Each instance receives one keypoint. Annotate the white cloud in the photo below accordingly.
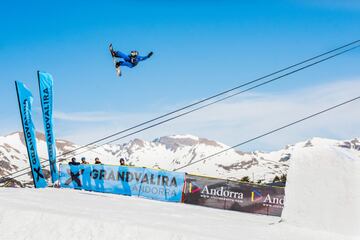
(242, 118)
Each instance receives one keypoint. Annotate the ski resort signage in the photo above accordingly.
(25, 100)
(132, 181)
(174, 187)
(233, 195)
(46, 98)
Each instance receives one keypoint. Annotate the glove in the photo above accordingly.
(150, 54)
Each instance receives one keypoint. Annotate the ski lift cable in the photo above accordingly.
(211, 103)
(211, 97)
(269, 132)
(206, 99)
(219, 100)
(222, 99)
(214, 96)
(249, 140)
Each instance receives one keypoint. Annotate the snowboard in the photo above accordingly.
(118, 70)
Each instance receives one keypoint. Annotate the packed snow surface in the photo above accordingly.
(322, 197)
(71, 214)
(323, 190)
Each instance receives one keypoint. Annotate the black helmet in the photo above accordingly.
(134, 53)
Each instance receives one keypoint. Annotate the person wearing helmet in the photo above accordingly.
(130, 60)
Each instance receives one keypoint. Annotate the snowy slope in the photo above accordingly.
(171, 152)
(70, 214)
(322, 203)
(323, 190)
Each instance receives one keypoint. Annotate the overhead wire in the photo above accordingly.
(269, 132)
(204, 100)
(216, 95)
(219, 100)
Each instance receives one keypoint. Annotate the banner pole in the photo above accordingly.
(22, 124)
(45, 82)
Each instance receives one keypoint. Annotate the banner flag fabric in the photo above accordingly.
(231, 195)
(25, 100)
(46, 99)
(132, 181)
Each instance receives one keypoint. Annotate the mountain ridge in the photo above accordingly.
(169, 153)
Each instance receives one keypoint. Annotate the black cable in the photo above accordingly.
(206, 99)
(219, 100)
(4, 178)
(270, 132)
(252, 139)
(188, 112)
(213, 96)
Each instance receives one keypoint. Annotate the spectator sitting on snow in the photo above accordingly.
(122, 162)
(97, 161)
(74, 162)
(83, 161)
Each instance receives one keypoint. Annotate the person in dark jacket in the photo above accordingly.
(83, 161)
(97, 161)
(74, 162)
(122, 162)
(129, 60)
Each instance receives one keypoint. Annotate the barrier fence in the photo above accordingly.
(174, 187)
(132, 181)
(231, 195)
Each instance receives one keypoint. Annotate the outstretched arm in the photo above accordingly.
(142, 58)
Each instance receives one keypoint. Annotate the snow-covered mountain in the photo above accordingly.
(170, 152)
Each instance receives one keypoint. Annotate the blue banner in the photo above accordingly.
(46, 98)
(132, 181)
(25, 102)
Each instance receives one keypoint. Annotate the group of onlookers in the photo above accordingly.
(97, 161)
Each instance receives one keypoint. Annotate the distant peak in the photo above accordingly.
(12, 134)
(175, 141)
(138, 142)
(185, 136)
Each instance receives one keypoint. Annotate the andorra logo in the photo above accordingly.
(222, 192)
(193, 188)
(274, 200)
(256, 195)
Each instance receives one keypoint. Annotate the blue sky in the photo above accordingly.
(200, 48)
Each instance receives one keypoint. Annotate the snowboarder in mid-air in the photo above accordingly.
(130, 60)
